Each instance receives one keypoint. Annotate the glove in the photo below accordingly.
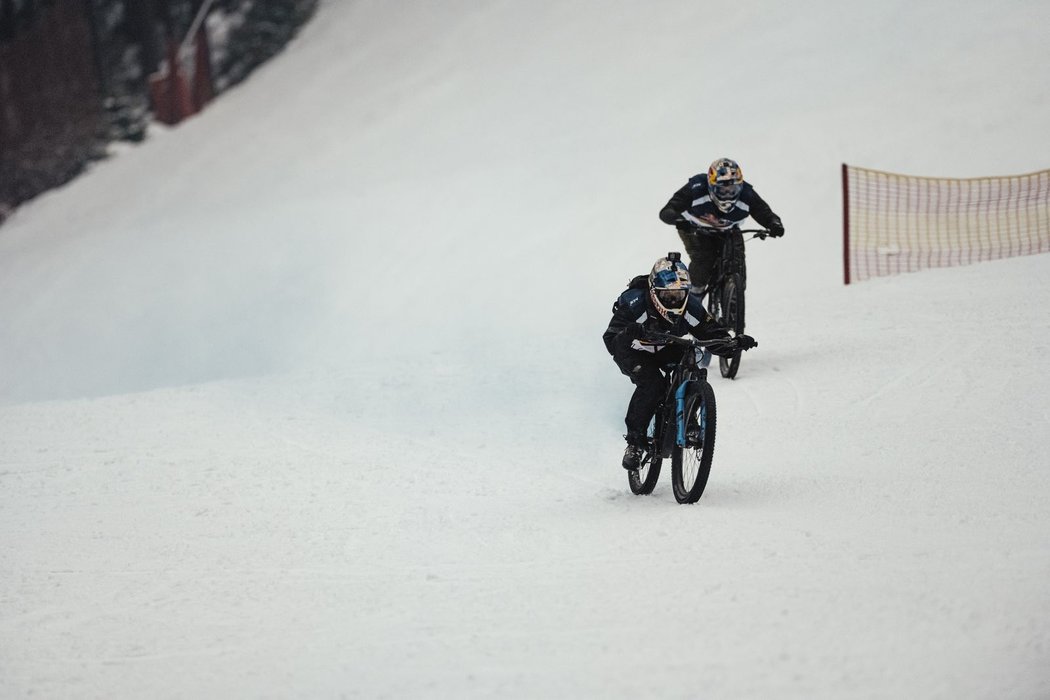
(685, 225)
(745, 342)
(776, 230)
(723, 347)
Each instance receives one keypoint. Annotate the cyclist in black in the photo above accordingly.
(658, 302)
(720, 199)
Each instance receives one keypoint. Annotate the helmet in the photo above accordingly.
(669, 286)
(724, 183)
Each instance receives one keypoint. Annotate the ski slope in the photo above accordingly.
(307, 398)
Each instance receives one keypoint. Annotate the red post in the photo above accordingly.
(180, 89)
(170, 93)
(161, 98)
(845, 222)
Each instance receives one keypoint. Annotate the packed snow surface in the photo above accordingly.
(307, 398)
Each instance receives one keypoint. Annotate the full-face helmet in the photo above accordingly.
(669, 286)
(725, 181)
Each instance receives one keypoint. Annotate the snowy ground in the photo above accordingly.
(306, 398)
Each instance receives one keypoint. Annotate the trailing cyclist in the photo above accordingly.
(719, 199)
(659, 302)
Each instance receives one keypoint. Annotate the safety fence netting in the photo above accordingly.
(901, 223)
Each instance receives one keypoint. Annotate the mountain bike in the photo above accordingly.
(725, 291)
(683, 429)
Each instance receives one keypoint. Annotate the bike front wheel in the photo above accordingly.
(733, 316)
(643, 480)
(691, 465)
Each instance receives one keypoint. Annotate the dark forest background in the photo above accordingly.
(75, 75)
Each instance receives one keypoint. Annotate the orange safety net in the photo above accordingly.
(902, 223)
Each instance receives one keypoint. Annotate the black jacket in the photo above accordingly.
(694, 203)
(634, 306)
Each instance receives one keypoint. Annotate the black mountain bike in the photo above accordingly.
(725, 291)
(683, 428)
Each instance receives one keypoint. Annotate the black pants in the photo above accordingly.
(705, 249)
(650, 385)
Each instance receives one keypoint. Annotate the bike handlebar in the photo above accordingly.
(760, 233)
(690, 342)
(669, 339)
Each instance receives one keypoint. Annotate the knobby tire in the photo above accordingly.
(732, 308)
(691, 465)
(643, 481)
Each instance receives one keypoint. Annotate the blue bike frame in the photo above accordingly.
(679, 398)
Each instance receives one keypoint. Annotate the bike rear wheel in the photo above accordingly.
(643, 480)
(732, 308)
(713, 303)
(691, 465)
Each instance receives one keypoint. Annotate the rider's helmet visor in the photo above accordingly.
(672, 298)
(727, 193)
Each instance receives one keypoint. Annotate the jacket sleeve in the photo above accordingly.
(709, 329)
(621, 317)
(703, 325)
(678, 203)
(629, 308)
(761, 212)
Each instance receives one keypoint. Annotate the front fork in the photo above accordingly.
(679, 399)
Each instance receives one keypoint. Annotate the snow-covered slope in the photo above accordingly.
(307, 397)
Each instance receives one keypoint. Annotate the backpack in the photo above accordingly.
(639, 282)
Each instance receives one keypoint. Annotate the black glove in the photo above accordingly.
(685, 225)
(776, 230)
(723, 347)
(746, 342)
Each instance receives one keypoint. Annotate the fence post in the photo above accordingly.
(845, 222)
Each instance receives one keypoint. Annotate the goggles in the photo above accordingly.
(671, 298)
(726, 193)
